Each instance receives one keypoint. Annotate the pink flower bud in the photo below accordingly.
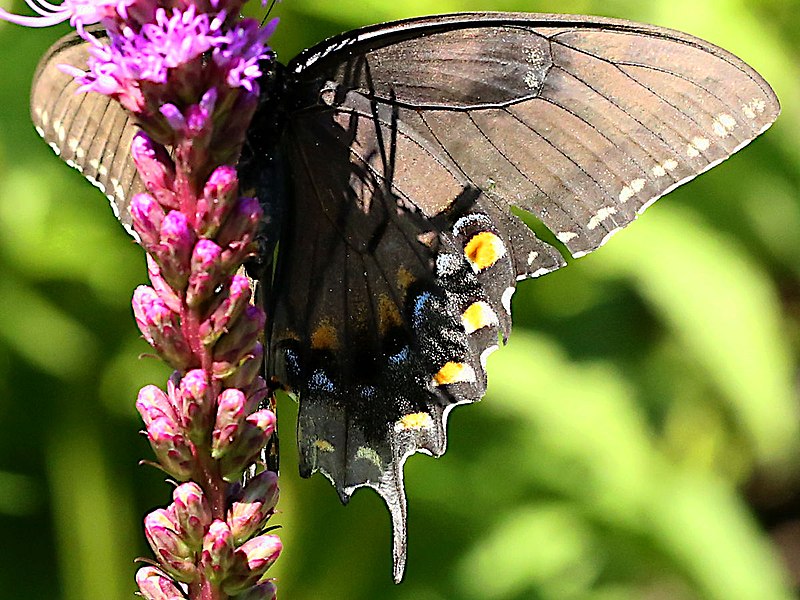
(177, 558)
(218, 551)
(154, 404)
(154, 584)
(240, 228)
(173, 450)
(195, 405)
(160, 285)
(207, 272)
(175, 249)
(244, 376)
(250, 438)
(219, 194)
(147, 216)
(263, 591)
(250, 512)
(155, 168)
(252, 560)
(192, 513)
(160, 327)
(232, 304)
(231, 405)
(174, 118)
(234, 347)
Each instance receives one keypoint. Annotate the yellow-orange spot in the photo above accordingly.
(414, 421)
(324, 446)
(388, 314)
(484, 249)
(478, 315)
(405, 278)
(324, 337)
(454, 372)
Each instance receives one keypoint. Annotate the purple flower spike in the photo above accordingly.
(176, 557)
(187, 72)
(192, 513)
(253, 559)
(154, 584)
(249, 513)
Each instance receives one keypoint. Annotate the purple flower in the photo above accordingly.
(163, 534)
(78, 12)
(252, 560)
(252, 508)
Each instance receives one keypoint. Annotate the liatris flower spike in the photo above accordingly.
(188, 72)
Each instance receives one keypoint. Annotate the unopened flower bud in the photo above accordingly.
(218, 551)
(234, 347)
(219, 194)
(173, 450)
(160, 327)
(232, 304)
(196, 407)
(147, 216)
(263, 591)
(250, 512)
(241, 225)
(250, 438)
(207, 272)
(155, 168)
(231, 414)
(192, 513)
(175, 249)
(247, 370)
(154, 584)
(174, 554)
(252, 560)
(160, 285)
(152, 404)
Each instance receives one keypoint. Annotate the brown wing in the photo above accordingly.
(408, 144)
(90, 132)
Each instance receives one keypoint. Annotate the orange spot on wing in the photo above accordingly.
(324, 337)
(478, 315)
(484, 249)
(414, 421)
(454, 372)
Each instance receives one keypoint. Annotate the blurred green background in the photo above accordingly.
(641, 435)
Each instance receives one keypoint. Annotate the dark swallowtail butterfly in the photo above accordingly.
(388, 159)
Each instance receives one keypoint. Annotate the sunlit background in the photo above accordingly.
(640, 438)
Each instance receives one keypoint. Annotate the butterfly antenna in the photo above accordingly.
(269, 11)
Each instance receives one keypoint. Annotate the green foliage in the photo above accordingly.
(644, 414)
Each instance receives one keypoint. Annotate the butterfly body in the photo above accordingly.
(388, 160)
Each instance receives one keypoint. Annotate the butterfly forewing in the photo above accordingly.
(90, 132)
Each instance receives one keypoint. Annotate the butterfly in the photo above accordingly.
(388, 160)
